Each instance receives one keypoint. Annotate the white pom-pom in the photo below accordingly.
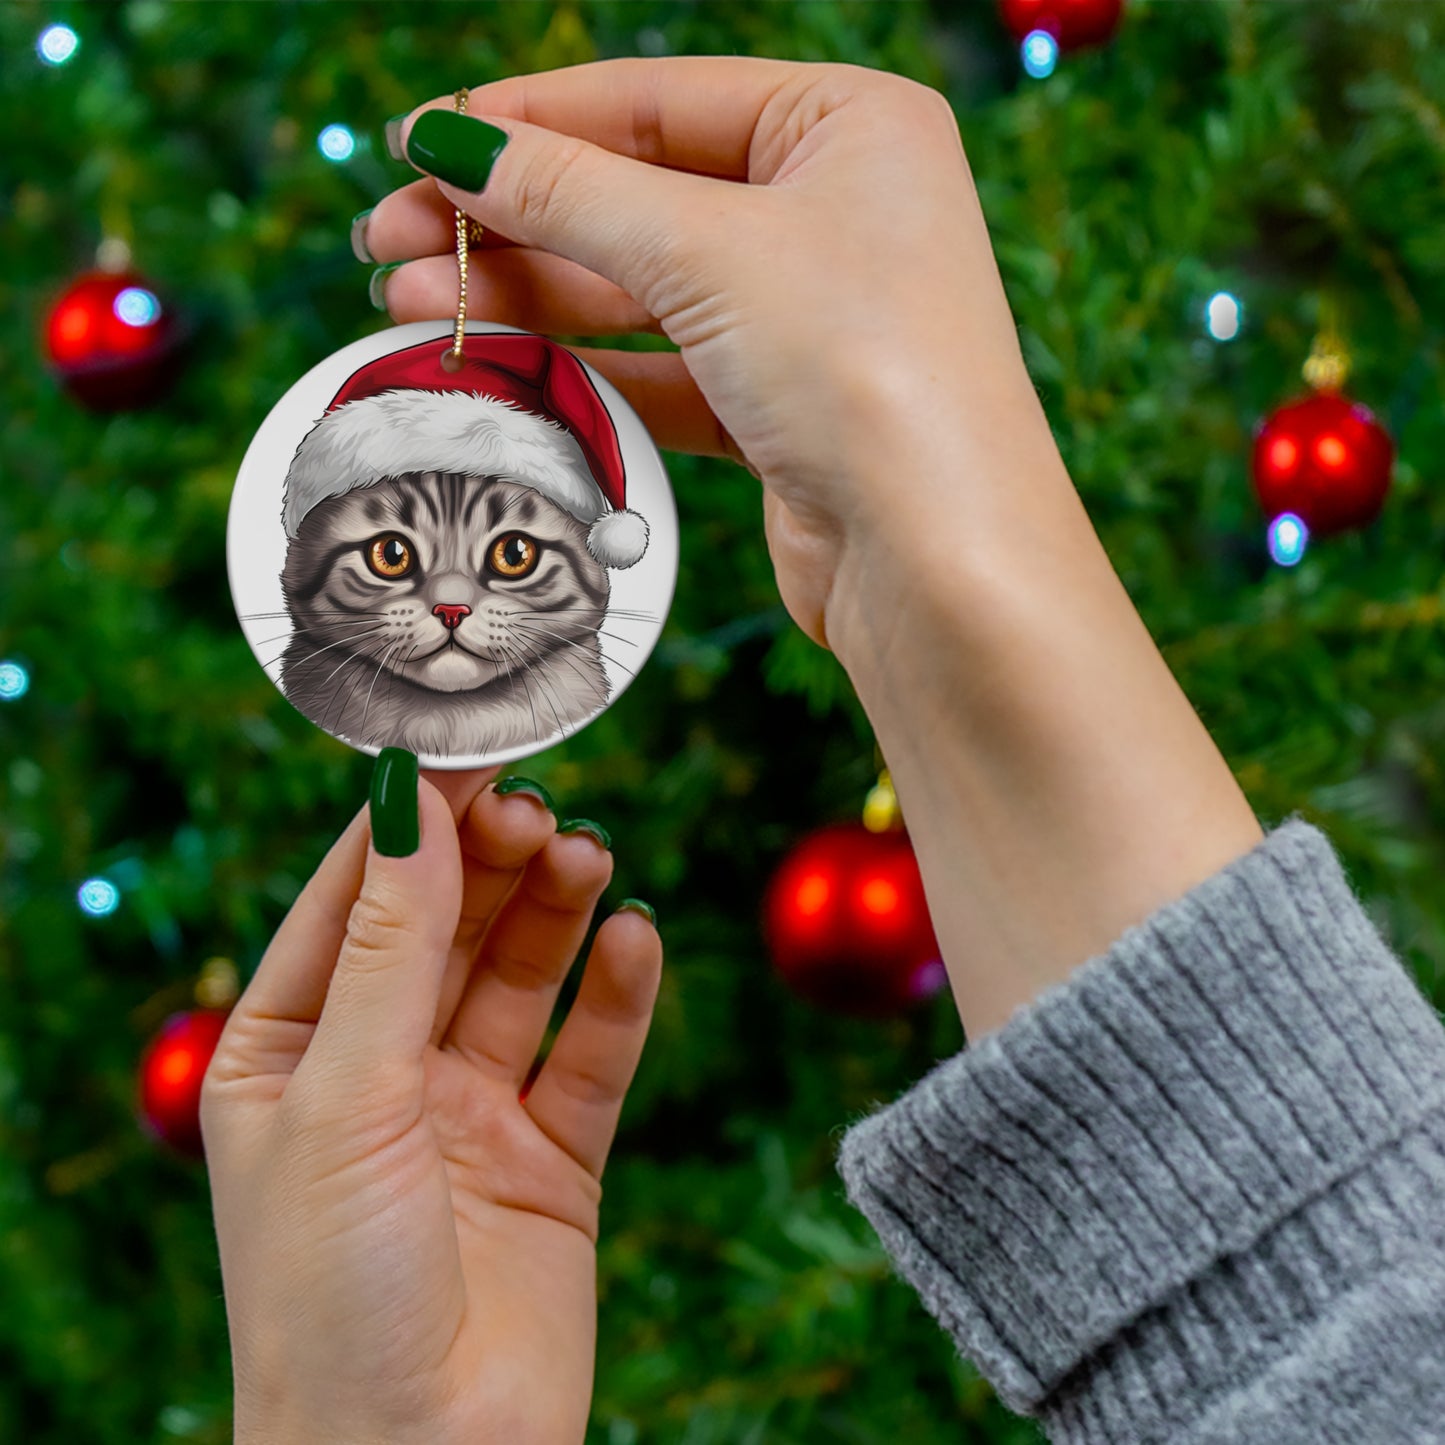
(618, 539)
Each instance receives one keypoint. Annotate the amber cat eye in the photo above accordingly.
(390, 555)
(514, 555)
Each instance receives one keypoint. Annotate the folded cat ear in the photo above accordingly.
(618, 538)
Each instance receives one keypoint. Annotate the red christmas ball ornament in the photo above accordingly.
(1073, 23)
(1326, 459)
(847, 923)
(171, 1071)
(111, 340)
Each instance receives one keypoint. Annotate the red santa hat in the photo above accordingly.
(519, 407)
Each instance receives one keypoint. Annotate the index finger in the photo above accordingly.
(696, 113)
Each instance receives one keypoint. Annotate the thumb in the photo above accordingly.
(633, 223)
(382, 1000)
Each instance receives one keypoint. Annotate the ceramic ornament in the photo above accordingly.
(469, 560)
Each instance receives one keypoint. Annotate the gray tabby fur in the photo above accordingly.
(368, 660)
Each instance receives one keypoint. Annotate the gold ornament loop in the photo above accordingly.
(469, 233)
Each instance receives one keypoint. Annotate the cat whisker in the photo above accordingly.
(391, 681)
(351, 692)
(591, 682)
(326, 712)
(280, 659)
(325, 627)
(379, 666)
(537, 678)
(570, 642)
(311, 656)
(600, 631)
(527, 691)
(601, 612)
(549, 692)
(310, 612)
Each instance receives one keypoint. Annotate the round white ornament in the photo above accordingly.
(470, 562)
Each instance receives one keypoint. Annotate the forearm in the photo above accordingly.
(1056, 782)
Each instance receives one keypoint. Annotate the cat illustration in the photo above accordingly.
(450, 528)
(445, 614)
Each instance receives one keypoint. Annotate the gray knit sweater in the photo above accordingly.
(1197, 1191)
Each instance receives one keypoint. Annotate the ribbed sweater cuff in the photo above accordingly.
(1147, 1163)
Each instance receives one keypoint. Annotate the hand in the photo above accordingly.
(845, 297)
(844, 330)
(408, 1247)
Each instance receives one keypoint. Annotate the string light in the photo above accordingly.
(1040, 52)
(1288, 537)
(57, 44)
(1223, 316)
(137, 307)
(336, 143)
(98, 897)
(14, 681)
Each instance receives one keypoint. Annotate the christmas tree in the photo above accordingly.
(1179, 215)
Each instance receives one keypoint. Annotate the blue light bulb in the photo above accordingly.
(14, 681)
(1288, 537)
(98, 897)
(336, 143)
(137, 307)
(1040, 52)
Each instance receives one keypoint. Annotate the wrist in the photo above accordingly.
(945, 519)
(1057, 784)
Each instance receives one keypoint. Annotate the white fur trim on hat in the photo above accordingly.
(411, 430)
(618, 539)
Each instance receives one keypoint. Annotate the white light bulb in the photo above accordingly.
(336, 143)
(1223, 316)
(57, 44)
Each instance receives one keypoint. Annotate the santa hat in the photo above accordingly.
(519, 407)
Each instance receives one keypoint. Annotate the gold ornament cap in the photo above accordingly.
(219, 985)
(881, 813)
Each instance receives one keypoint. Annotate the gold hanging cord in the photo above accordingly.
(469, 232)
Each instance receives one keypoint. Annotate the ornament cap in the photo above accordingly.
(881, 813)
(1328, 366)
(219, 985)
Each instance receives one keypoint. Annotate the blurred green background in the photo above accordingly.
(1287, 153)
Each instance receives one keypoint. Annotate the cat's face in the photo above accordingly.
(449, 582)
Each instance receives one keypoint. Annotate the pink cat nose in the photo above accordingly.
(451, 614)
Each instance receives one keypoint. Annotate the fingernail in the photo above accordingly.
(359, 248)
(531, 789)
(455, 148)
(636, 905)
(586, 825)
(395, 820)
(393, 136)
(376, 287)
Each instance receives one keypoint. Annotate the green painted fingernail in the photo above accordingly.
(376, 287)
(395, 820)
(586, 825)
(455, 148)
(359, 248)
(392, 131)
(533, 789)
(636, 905)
